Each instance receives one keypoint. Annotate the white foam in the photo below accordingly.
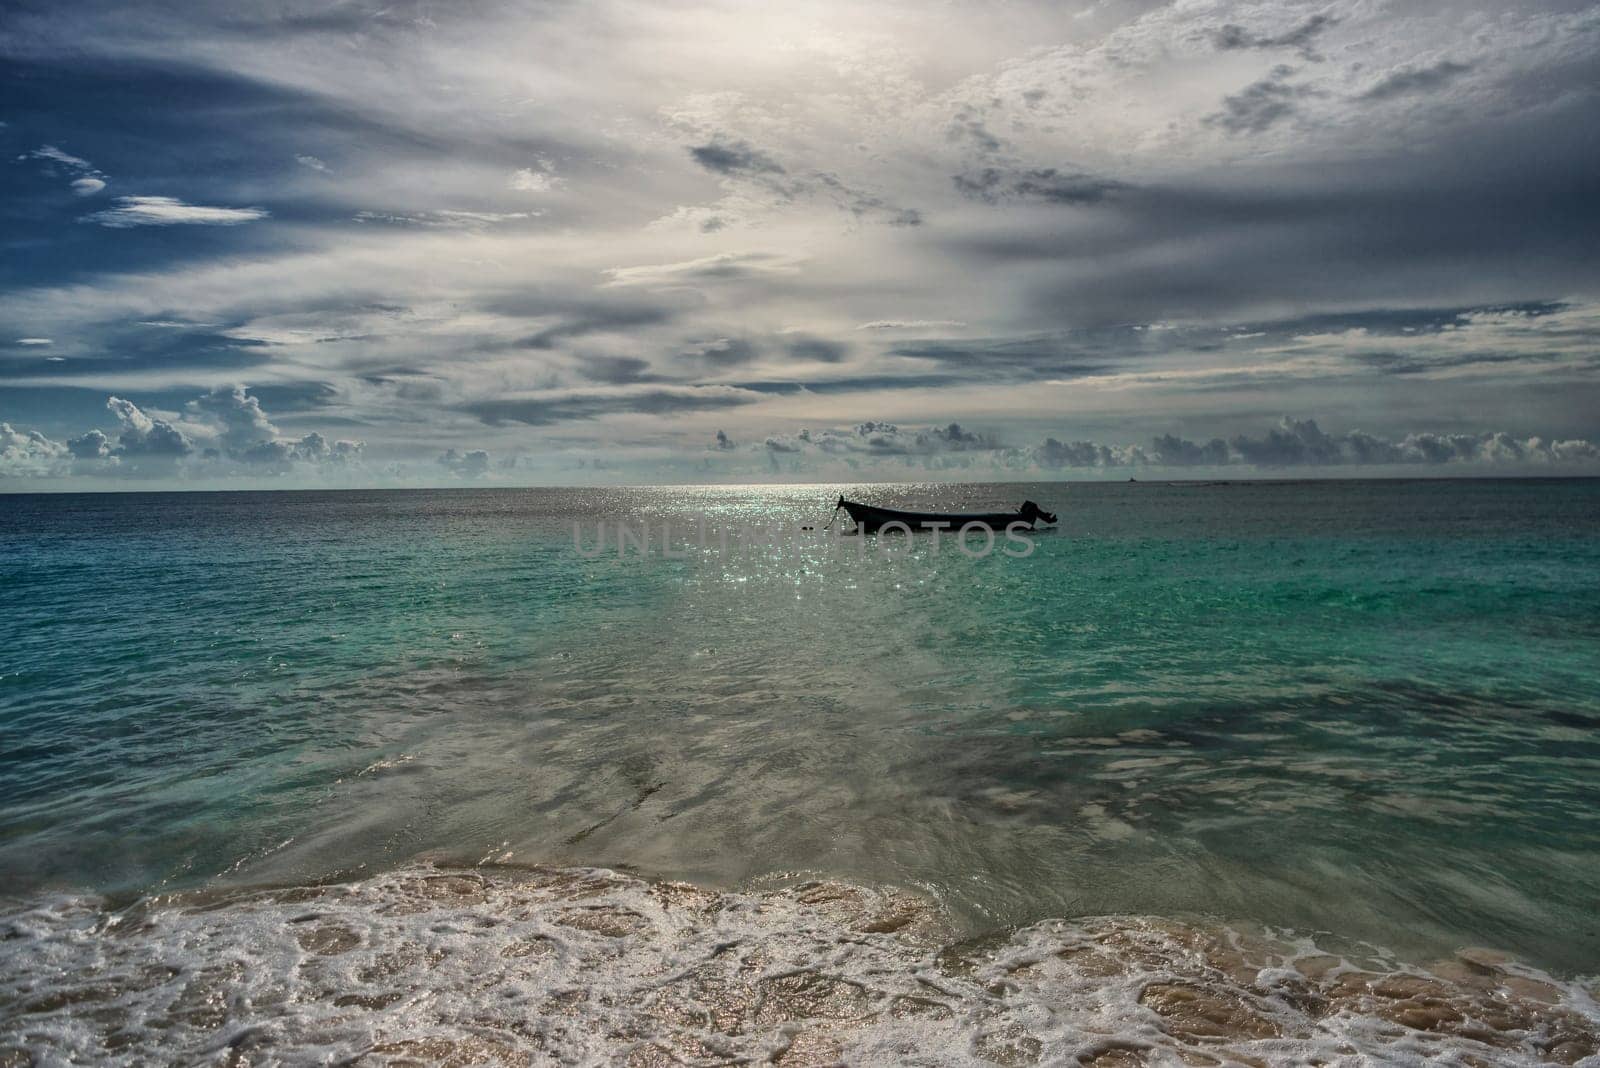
(582, 966)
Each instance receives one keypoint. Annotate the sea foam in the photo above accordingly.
(516, 966)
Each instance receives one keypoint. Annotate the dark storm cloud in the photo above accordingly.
(1417, 80)
(546, 409)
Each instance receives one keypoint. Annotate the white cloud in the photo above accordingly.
(726, 266)
(34, 341)
(312, 162)
(170, 211)
(539, 179)
(66, 159)
(87, 187)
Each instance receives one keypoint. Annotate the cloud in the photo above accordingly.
(27, 453)
(1045, 185)
(542, 408)
(725, 352)
(584, 321)
(722, 267)
(722, 441)
(66, 159)
(1261, 104)
(1417, 80)
(34, 341)
(244, 425)
(90, 179)
(537, 179)
(1301, 443)
(222, 434)
(445, 218)
(1232, 37)
(170, 211)
(472, 464)
(737, 161)
(92, 445)
(817, 349)
(1129, 267)
(616, 370)
(729, 156)
(1293, 443)
(912, 324)
(145, 438)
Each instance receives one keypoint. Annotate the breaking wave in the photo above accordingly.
(499, 965)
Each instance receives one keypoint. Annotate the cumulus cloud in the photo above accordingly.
(221, 434)
(145, 437)
(170, 211)
(471, 464)
(27, 453)
(244, 424)
(1292, 443)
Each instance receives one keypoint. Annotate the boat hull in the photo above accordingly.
(870, 518)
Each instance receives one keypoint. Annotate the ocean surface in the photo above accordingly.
(1355, 721)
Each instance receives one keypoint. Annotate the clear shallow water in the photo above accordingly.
(1368, 709)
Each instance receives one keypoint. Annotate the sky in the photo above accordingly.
(533, 243)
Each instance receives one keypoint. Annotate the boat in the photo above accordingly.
(869, 517)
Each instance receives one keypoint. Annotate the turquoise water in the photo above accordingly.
(1364, 708)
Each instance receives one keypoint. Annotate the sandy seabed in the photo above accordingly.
(433, 965)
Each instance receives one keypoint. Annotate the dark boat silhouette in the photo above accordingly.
(869, 517)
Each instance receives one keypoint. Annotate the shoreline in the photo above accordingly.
(502, 964)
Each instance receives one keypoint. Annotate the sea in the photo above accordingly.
(1244, 772)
